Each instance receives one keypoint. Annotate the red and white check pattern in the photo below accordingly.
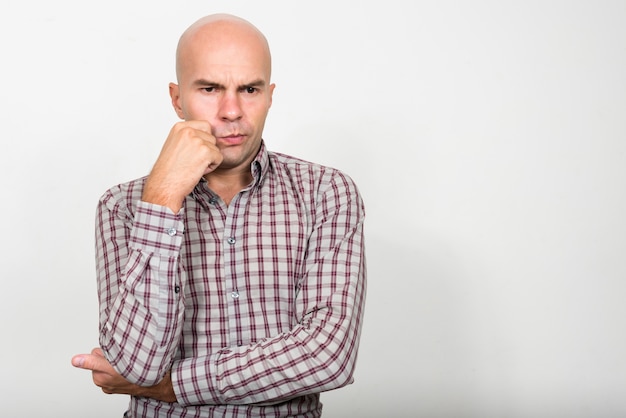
(255, 307)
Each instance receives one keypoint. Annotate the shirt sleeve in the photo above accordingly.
(320, 352)
(139, 287)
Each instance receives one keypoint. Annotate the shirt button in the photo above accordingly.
(171, 232)
(231, 240)
(176, 289)
(213, 200)
(234, 295)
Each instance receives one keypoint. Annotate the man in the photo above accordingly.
(231, 279)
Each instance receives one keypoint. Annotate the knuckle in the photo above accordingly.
(187, 131)
(178, 126)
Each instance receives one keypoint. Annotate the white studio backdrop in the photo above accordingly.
(488, 139)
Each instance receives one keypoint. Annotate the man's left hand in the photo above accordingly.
(105, 377)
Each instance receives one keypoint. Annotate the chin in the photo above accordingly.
(231, 162)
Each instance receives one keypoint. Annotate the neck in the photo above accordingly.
(228, 183)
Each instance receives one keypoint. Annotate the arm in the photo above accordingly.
(107, 378)
(137, 250)
(319, 352)
(137, 271)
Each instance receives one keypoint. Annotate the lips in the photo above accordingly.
(231, 139)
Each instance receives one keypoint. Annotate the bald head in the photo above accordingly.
(222, 31)
(223, 67)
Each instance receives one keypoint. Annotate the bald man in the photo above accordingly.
(231, 279)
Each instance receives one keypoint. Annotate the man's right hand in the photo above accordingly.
(188, 154)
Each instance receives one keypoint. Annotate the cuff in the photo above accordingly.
(195, 382)
(157, 230)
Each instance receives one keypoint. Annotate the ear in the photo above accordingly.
(272, 86)
(175, 95)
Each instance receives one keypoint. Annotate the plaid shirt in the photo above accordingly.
(255, 307)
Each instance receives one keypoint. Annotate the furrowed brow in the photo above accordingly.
(206, 83)
(255, 83)
(201, 82)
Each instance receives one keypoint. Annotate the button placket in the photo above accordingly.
(233, 233)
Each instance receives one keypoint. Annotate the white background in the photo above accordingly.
(489, 142)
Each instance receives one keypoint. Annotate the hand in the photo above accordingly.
(189, 152)
(111, 382)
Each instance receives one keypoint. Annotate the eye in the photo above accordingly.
(210, 89)
(250, 89)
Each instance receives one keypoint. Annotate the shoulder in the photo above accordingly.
(315, 178)
(123, 196)
(294, 166)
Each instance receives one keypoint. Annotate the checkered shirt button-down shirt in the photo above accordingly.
(255, 307)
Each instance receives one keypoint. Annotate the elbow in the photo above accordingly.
(142, 377)
(342, 372)
(337, 352)
(137, 372)
(340, 365)
(141, 368)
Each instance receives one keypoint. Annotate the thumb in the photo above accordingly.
(97, 352)
(91, 362)
(78, 360)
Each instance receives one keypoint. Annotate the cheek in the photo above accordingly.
(259, 114)
(199, 107)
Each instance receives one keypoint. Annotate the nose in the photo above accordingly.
(230, 107)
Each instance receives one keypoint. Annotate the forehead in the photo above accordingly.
(237, 51)
(225, 67)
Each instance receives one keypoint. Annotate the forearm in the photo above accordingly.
(140, 290)
(316, 355)
(303, 361)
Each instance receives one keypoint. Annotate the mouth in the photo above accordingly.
(231, 139)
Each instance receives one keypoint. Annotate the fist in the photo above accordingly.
(189, 152)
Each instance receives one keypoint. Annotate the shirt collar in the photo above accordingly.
(260, 165)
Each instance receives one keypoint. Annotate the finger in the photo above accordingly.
(92, 362)
(78, 360)
(214, 164)
(193, 129)
(97, 352)
(200, 125)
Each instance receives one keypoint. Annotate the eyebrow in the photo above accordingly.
(203, 82)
